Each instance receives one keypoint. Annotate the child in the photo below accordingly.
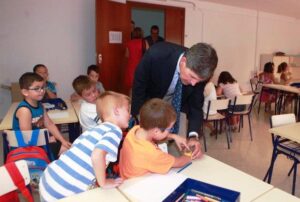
(140, 154)
(228, 86)
(286, 75)
(209, 94)
(30, 113)
(86, 89)
(93, 74)
(50, 89)
(82, 167)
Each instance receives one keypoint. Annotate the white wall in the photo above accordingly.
(59, 34)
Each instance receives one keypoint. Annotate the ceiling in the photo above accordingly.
(289, 8)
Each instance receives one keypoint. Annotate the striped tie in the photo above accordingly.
(176, 103)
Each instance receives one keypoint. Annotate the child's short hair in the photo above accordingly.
(82, 83)
(35, 68)
(156, 113)
(94, 68)
(27, 79)
(108, 100)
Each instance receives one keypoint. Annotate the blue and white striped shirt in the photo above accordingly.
(73, 172)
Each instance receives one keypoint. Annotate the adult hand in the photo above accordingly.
(112, 183)
(194, 144)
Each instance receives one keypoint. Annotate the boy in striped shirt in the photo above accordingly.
(83, 166)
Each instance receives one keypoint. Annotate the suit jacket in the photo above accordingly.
(153, 77)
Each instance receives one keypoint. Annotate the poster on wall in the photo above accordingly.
(115, 37)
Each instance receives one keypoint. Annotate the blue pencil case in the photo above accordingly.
(55, 103)
(197, 191)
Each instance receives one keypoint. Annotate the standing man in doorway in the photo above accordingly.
(167, 66)
(154, 36)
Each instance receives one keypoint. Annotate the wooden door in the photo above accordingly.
(111, 16)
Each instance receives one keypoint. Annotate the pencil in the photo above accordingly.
(184, 167)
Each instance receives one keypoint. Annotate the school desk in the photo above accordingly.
(290, 131)
(277, 195)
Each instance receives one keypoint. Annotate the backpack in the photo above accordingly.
(36, 159)
(19, 182)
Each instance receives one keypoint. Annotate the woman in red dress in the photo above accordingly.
(134, 51)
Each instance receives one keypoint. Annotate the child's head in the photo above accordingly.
(93, 72)
(225, 77)
(269, 67)
(32, 86)
(86, 88)
(114, 107)
(41, 70)
(157, 114)
(283, 66)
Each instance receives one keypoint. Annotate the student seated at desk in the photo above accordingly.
(50, 89)
(83, 166)
(86, 89)
(30, 113)
(140, 154)
(93, 74)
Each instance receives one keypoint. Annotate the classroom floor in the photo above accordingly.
(250, 157)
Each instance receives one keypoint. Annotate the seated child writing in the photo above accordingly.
(86, 89)
(50, 89)
(93, 74)
(139, 153)
(30, 113)
(83, 166)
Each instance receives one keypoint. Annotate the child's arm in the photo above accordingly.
(24, 116)
(54, 131)
(219, 90)
(99, 166)
(180, 141)
(181, 161)
(50, 94)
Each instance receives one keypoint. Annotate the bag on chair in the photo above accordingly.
(18, 180)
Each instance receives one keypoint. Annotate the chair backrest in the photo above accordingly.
(282, 119)
(42, 139)
(256, 85)
(7, 184)
(215, 105)
(16, 95)
(243, 99)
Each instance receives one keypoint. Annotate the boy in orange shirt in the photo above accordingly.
(140, 154)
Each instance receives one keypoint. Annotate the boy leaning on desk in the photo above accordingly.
(140, 155)
(31, 115)
(83, 166)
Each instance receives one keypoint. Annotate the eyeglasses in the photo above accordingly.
(38, 89)
(169, 130)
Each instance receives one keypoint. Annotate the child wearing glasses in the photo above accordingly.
(83, 166)
(30, 113)
(140, 154)
(50, 89)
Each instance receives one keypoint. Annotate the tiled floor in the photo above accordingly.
(250, 157)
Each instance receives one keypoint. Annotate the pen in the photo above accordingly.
(184, 167)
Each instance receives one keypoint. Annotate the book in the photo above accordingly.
(197, 191)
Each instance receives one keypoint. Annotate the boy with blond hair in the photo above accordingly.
(86, 89)
(30, 113)
(140, 154)
(83, 166)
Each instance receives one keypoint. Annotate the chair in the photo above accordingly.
(256, 87)
(37, 137)
(217, 105)
(248, 102)
(8, 185)
(284, 146)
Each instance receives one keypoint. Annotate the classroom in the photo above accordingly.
(63, 35)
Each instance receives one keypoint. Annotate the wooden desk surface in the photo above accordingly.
(277, 195)
(210, 170)
(71, 116)
(286, 88)
(97, 194)
(76, 106)
(290, 131)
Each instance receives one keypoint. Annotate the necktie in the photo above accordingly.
(176, 103)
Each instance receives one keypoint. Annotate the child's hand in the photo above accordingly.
(180, 142)
(66, 144)
(112, 183)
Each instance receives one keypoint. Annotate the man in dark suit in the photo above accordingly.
(154, 36)
(158, 72)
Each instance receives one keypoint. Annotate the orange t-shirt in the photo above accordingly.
(139, 157)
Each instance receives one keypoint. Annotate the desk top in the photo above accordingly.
(57, 116)
(286, 88)
(215, 172)
(97, 194)
(290, 131)
(277, 195)
(76, 106)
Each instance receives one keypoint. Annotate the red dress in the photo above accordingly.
(135, 54)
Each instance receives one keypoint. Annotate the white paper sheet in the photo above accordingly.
(153, 187)
(57, 114)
